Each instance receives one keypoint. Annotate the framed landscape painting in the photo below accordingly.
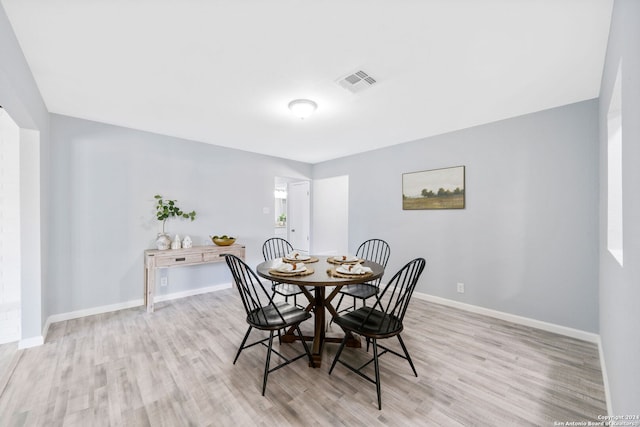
(433, 189)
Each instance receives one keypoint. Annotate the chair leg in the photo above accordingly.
(242, 345)
(377, 369)
(406, 353)
(354, 303)
(335, 359)
(339, 302)
(337, 308)
(266, 366)
(306, 347)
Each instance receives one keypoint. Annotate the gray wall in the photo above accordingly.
(103, 185)
(620, 286)
(20, 96)
(526, 243)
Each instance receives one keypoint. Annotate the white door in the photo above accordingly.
(298, 217)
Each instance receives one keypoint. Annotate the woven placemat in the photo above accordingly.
(333, 273)
(306, 272)
(306, 261)
(331, 260)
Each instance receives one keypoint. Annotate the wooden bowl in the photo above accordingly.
(223, 242)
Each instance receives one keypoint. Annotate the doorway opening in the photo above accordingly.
(10, 261)
(292, 212)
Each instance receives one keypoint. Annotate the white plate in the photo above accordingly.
(348, 258)
(297, 270)
(344, 269)
(300, 258)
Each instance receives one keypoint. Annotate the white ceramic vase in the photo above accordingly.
(163, 242)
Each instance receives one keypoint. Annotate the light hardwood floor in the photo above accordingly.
(9, 356)
(174, 368)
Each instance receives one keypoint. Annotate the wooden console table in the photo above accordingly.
(154, 259)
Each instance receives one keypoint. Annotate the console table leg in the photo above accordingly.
(150, 285)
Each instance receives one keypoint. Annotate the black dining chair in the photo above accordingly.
(265, 314)
(383, 320)
(376, 250)
(277, 247)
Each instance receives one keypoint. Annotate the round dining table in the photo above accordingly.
(324, 279)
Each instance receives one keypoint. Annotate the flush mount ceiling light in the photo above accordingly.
(302, 108)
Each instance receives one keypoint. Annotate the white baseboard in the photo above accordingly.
(32, 342)
(95, 310)
(605, 378)
(526, 321)
(89, 312)
(192, 292)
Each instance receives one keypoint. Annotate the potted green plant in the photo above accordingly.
(166, 209)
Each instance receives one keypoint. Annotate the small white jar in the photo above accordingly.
(176, 243)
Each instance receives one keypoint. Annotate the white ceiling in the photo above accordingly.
(223, 72)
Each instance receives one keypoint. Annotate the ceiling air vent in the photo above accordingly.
(357, 82)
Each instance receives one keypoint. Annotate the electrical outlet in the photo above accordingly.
(461, 288)
(163, 281)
